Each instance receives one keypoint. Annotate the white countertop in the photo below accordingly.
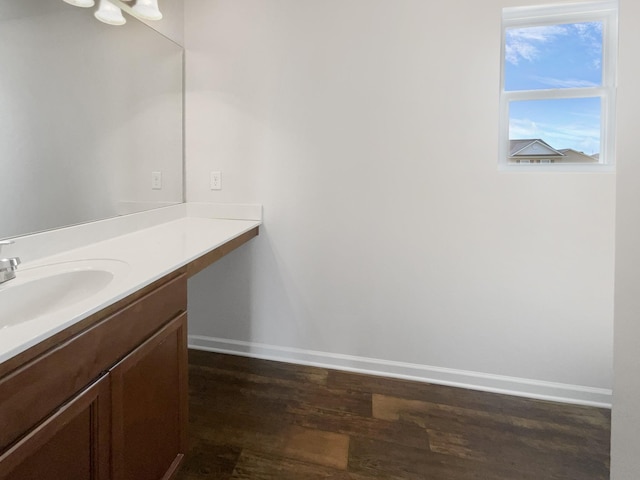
(148, 255)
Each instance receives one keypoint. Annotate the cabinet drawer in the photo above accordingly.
(32, 392)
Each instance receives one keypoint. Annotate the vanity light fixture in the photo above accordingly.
(110, 11)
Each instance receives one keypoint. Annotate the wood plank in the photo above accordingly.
(390, 460)
(245, 431)
(209, 460)
(471, 433)
(395, 408)
(254, 465)
(577, 415)
(256, 390)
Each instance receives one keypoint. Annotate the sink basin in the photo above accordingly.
(47, 289)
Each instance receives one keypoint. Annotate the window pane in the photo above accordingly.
(560, 125)
(553, 56)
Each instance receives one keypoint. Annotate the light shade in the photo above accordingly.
(108, 13)
(147, 9)
(81, 3)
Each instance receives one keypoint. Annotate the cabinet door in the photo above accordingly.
(71, 444)
(149, 406)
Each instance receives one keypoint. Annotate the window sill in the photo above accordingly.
(555, 168)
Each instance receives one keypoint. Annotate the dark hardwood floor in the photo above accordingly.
(255, 419)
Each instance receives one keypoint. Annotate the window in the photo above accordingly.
(558, 87)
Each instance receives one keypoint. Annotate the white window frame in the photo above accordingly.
(601, 11)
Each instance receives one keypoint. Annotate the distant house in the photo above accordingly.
(573, 156)
(535, 150)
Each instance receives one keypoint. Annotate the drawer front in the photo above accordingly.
(34, 391)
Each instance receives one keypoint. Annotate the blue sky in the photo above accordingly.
(550, 57)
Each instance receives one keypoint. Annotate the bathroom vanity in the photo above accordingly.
(105, 394)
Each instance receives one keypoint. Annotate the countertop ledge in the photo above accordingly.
(188, 238)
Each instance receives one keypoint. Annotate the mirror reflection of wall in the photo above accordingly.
(87, 112)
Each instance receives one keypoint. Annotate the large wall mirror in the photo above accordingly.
(88, 112)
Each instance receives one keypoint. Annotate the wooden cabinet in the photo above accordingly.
(149, 397)
(110, 402)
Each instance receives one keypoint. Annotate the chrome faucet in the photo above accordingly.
(8, 266)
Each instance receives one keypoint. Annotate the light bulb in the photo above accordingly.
(147, 9)
(81, 3)
(108, 13)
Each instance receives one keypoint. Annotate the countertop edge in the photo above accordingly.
(204, 240)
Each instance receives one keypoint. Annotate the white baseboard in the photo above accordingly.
(557, 392)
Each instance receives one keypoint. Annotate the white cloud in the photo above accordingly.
(589, 31)
(517, 50)
(523, 128)
(565, 83)
(523, 43)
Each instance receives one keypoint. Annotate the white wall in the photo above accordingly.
(625, 447)
(368, 129)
